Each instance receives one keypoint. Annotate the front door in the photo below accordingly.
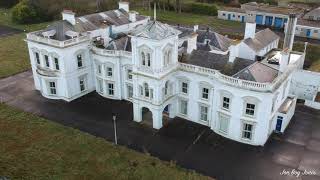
(279, 123)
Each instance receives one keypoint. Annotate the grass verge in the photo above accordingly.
(35, 148)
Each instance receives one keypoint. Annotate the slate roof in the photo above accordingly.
(315, 13)
(262, 39)
(122, 43)
(216, 61)
(258, 72)
(155, 30)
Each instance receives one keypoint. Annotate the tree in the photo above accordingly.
(8, 3)
(24, 12)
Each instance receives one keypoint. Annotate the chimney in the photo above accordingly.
(195, 28)
(192, 43)
(250, 30)
(284, 60)
(290, 31)
(69, 16)
(124, 5)
(132, 16)
(234, 52)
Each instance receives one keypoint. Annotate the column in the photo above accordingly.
(157, 118)
(137, 113)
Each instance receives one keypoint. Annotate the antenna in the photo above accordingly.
(154, 11)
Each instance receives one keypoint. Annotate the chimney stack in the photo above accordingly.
(250, 30)
(290, 32)
(69, 16)
(124, 5)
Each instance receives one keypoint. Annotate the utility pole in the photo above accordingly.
(114, 118)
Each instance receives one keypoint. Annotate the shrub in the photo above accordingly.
(24, 12)
(8, 3)
(203, 8)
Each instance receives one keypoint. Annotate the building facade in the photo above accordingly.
(240, 89)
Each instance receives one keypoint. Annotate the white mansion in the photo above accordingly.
(241, 89)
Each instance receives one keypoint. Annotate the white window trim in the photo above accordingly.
(179, 102)
(203, 85)
(208, 113)
(219, 123)
(109, 82)
(49, 88)
(252, 132)
(129, 85)
(146, 50)
(250, 100)
(85, 83)
(180, 87)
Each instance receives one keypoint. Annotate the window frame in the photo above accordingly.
(182, 101)
(37, 57)
(56, 63)
(129, 87)
(110, 88)
(129, 74)
(244, 131)
(83, 85)
(46, 60)
(205, 93)
(52, 88)
(109, 71)
(80, 61)
(100, 85)
(206, 114)
(182, 87)
(227, 119)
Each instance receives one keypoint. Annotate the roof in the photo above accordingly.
(315, 13)
(216, 61)
(261, 7)
(216, 40)
(155, 30)
(261, 40)
(122, 43)
(99, 20)
(310, 23)
(286, 105)
(60, 27)
(232, 9)
(258, 72)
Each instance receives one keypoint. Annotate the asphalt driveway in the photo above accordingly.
(7, 31)
(190, 145)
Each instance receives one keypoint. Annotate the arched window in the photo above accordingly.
(146, 90)
(149, 59)
(166, 88)
(143, 59)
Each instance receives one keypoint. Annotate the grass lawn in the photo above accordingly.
(35, 148)
(192, 19)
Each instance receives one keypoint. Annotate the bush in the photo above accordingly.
(8, 3)
(203, 8)
(24, 13)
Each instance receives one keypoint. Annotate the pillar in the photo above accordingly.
(157, 118)
(137, 113)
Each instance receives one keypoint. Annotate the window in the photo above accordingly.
(149, 59)
(184, 87)
(82, 84)
(52, 86)
(311, 17)
(226, 103)
(247, 131)
(203, 113)
(223, 124)
(143, 59)
(183, 107)
(110, 89)
(100, 85)
(250, 109)
(129, 74)
(56, 63)
(80, 61)
(205, 93)
(37, 58)
(141, 90)
(166, 87)
(167, 57)
(224, 14)
(315, 31)
(130, 91)
(109, 72)
(151, 93)
(46, 58)
(146, 90)
(99, 69)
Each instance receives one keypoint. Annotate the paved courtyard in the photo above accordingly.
(190, 145)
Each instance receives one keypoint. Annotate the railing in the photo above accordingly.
(105, 52)
(56, 43)
(264, 87)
